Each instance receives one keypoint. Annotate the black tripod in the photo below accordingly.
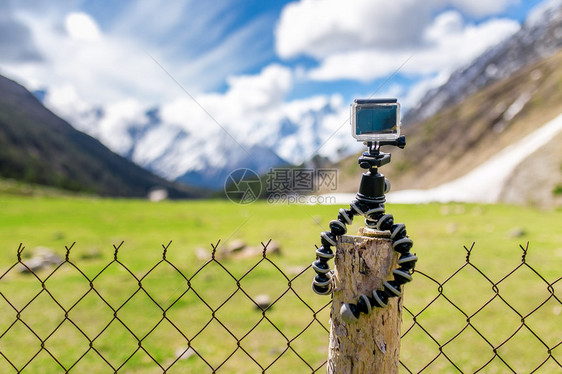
(373, 184)
(369, 202)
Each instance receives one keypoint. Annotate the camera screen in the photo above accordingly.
(379, 119)
(375, 120)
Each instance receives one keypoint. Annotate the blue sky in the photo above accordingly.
(99, 52)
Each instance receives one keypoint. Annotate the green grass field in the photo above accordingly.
(95, 225)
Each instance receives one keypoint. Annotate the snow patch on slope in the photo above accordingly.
(485, 183)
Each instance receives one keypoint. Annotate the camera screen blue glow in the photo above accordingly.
(379, 119)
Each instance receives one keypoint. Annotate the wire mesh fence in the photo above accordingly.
(252, 315)
(472, 323)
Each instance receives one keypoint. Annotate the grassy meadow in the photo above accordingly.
(94, 225)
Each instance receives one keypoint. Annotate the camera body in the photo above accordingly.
(375, 120)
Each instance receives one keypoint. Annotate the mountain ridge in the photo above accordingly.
(539, 37)
(463, 137)
(205, 148)
(36, 146)
(180, 141)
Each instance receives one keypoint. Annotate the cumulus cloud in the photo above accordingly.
(255, 108)
(266, 89)
(367, 39)
(68, 104)
(250, 99)
(110, 124)
(320, 28)
(447, 44)
(80, 26)
(234, 113)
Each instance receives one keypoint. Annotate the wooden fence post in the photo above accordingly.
(371, 344)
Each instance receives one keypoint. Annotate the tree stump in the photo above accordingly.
(371, 344)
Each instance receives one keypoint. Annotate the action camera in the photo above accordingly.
(375, 120)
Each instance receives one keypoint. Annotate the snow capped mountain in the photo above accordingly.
(201, 139)
(211, 173)
(539, 37)
(201, 142)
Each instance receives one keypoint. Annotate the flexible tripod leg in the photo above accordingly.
(369, 203)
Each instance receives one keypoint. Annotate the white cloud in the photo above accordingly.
(446, 23)
(185, 113)
(321, 28)
(363, 65)
(112, 63)
(357, 40)
(447, 44)
(81, 26)
(101, 70)
(367, 39)
(67, 102)
(253, 110)
(110, 125)
(114, 124)
(264, 90)
(249, 99)
(453, 43)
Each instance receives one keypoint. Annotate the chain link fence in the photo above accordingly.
(254, 315)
